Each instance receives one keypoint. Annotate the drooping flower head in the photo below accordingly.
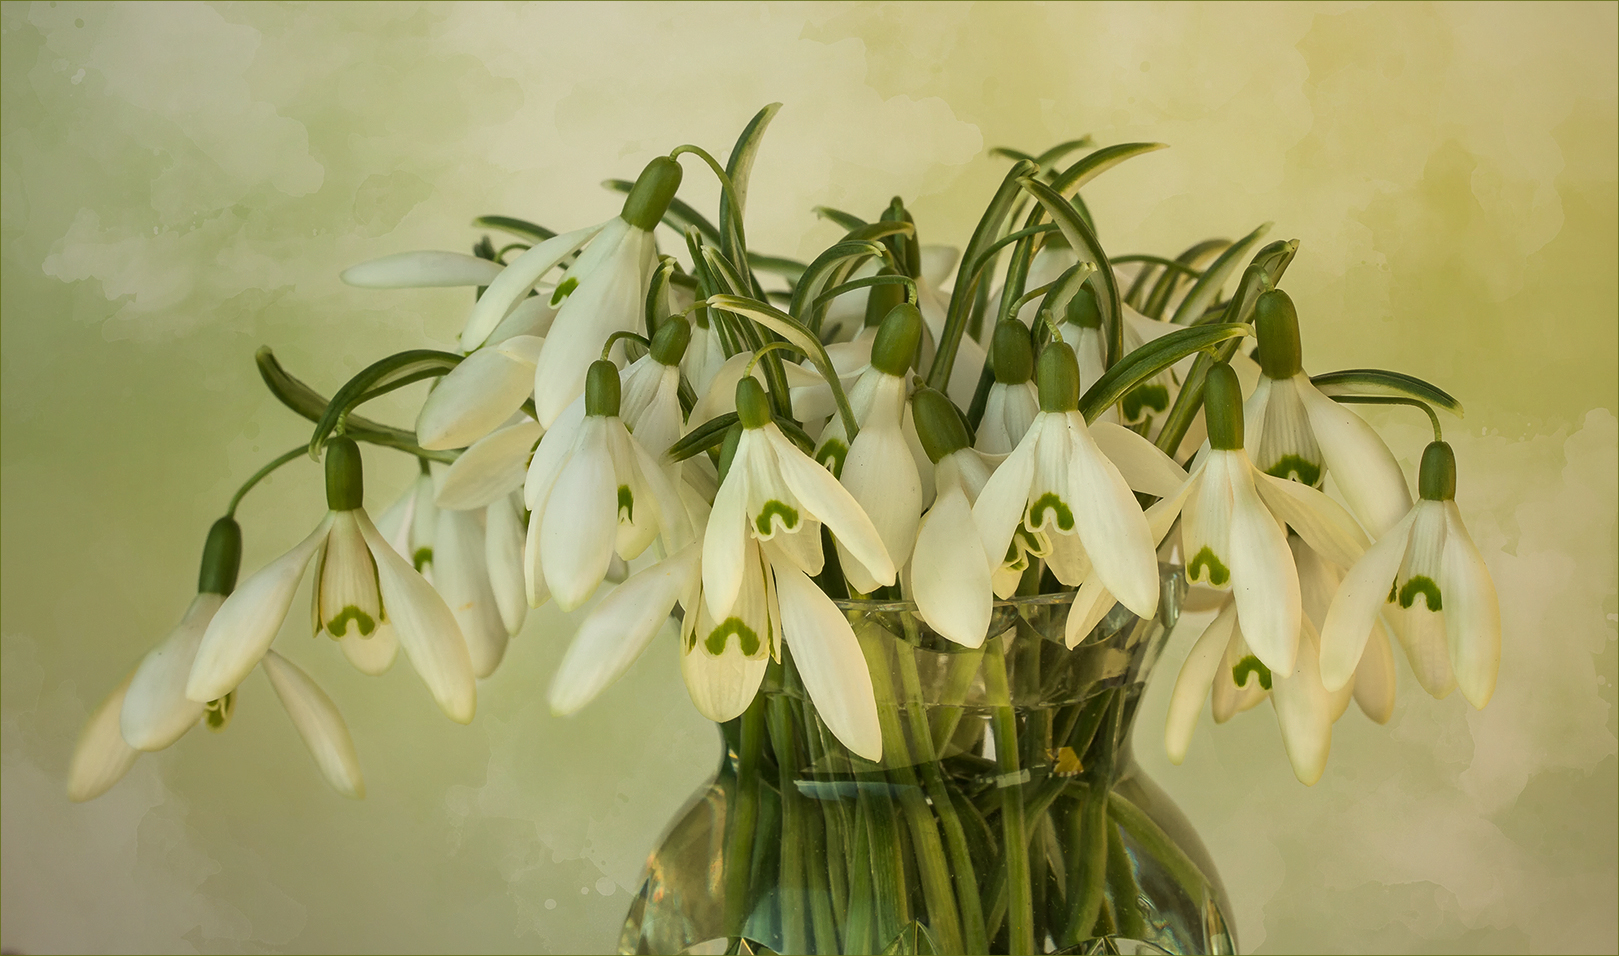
(1013, 400)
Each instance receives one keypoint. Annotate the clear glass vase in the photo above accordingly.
(1007, 815)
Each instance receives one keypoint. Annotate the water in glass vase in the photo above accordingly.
(1007, 815)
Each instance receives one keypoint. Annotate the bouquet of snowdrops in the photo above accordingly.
(758, 445)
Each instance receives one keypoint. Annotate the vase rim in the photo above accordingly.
(1029, 600)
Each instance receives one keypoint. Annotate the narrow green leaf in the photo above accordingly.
(1382, 382)
(800, 338)
(739, 167)
(1099, 162)
(379, 377)
(1150, 359)
(312, 405)
(789, 269)
(846, 220)
(1195, 258)
(1016, 155)
(708, 435)
(657, 295)
(517, 227)
(1083, 240)
(1048, 159)
(1208, 286)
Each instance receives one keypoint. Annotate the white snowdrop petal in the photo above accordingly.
(1323, 523)
(1001, 505)
(532, 316)
(473, 399)
(1472, 612)
(503, 555)
(1361, 464)
(1284, 445)
(720, 396)
(638, 514)
(725, 536)
(1263, 579)
(426, 629)
(534, 588)
(156, 711)
(826, 499)
(427, 269)
(490, 469)
(346, 597)
(1206, 519)
(1255, 407)
(462, 579)
(246, 624)
(1360, 596)
(722, 687)
(937, 263)
(1091, 604)
(950, 578)
(881, 476)
(514, 282)
(1304, 711)
(1144, 467)
(1192, 684)
(1422, 634)
(394, 524)
(101, 757)
(1374, 677)
(1111, 524)
(581, 520)
(830, 662)
(372, 655)
(619, 628)
(318, 723)
(551, 454)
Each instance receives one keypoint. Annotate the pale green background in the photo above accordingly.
(183, 183)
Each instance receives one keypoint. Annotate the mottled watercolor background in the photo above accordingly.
(183, 182)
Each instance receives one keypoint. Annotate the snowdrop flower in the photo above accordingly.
(102, 756)
(1231, 529)
(1013, 400)
(1082, 328)
(461, 577)
(705, 354)
(593, 491)
(490, 469)
(318, 722)
(1299, 433)
(878, 468)
(504, 532)
(761, 545)
(1372, 684)
(604, 290)
(361, 584)
(1427, 576)
(1220, 661)
(950, 573)
(156, 711)
(479, 394)
(651, 389)
(1060, 488)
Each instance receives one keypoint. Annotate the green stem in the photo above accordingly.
(261, 474)
(1015, 844)
(1087, 865)
(958, 681)
(1438, 433)
(1155, 843)
(791, 889)
(739, 851)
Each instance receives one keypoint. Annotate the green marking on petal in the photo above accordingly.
(338, 625)
(1425, 586)
(747, 641)
(626, 503)
(422, 558)
(789, 517)
(1050, 502)
(1155, 397)
(1392, 593)
(832, 454)
(1298, 469)
(564, 290)
(1219, 574)
(1251, 665)
(218, 712)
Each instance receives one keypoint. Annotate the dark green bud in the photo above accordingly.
(1277, 324)
(1058, 378)
(345, 482)
(1222, 408)
(752, 404)
(1011, 353)
(601, 389)
(670, 341)
(1082, 309)
(650, 197)
(897, 340)
(221, 558)
(1436, 480)
(938, 424)
(881, 299)
(733, 437)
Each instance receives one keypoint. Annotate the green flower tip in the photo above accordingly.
(1082, 309)
(752, 404)
(938, 424)
(881, 299)
(1277, 324)
(1011, 353)
(897, 339)
(601, 389)
(1436, 481)
(1057, 378)
(1222, 408)
(733, 436)
(221, 558)
(345, 480)
(670, 341)
(650, 197)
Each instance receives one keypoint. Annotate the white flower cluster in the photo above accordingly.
(613, 405)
